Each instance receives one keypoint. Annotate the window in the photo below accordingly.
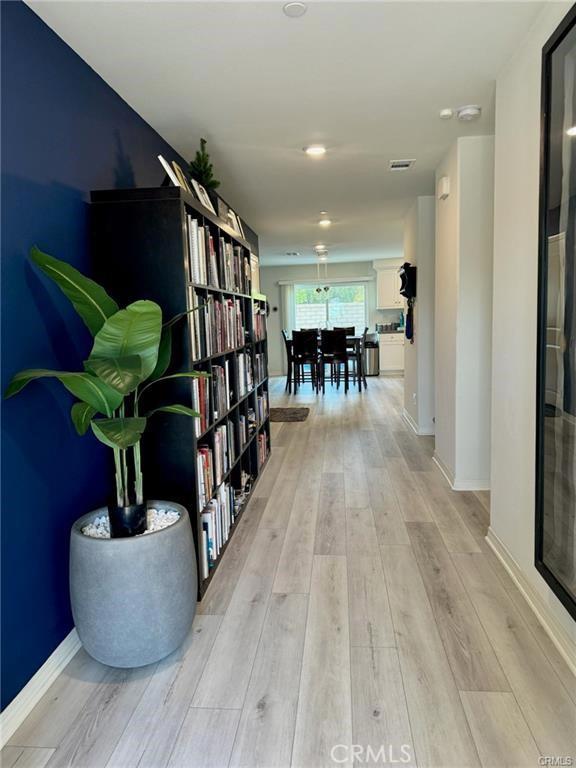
(341, 305)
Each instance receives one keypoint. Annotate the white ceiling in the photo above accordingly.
(366, 78)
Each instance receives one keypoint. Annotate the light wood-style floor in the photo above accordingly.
(357, 607)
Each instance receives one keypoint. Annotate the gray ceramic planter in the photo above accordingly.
(133, 599)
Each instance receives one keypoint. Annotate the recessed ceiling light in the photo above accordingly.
(446, 114)
(320, 247)
(323, 257)
(294, 10)
(315, 150)
(325, 222)
(469, 112)
(571, 131)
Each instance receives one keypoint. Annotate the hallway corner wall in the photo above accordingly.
(419, 250)
(463, 313)
(515, 315)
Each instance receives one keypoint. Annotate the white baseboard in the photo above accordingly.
(471, 485)
(480, 484)
(418, 430)
(20, 707)
(445, 471)
(564, 643)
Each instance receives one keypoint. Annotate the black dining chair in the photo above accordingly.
(360, 362)
(305, 352)
(355, 352)
(333, 352)
(289, 361)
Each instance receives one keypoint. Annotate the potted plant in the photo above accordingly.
(133, 575)
(202, 170)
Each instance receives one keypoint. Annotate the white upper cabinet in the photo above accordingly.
(388, 289)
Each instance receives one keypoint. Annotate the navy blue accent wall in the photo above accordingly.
(64, 132)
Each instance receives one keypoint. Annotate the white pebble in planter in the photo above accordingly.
(133, 599)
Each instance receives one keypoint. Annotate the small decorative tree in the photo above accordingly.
(201, 168)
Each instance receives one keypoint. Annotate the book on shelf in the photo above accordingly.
(262, 448)
(252, 421)
(259, 367)
(215, 326)
(201, 404)
(259, 321)
(205, 475)
(262, 407)
(242, 430)
(245, 376)
(217, 519)
(216, 261)
(221, 392)
(221, 452)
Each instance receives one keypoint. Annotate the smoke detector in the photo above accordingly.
(401, 165)
(469, 112)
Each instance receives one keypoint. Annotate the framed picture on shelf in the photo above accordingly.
(182, 180)
(235, 223)
(169, 171)
(555, 544)
(203, 196)
(255, 273)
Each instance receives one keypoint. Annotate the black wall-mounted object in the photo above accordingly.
(555, 539)
(407, 274)
(140, 250)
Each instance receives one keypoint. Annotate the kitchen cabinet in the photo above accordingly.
(388, 289)
(391, 352)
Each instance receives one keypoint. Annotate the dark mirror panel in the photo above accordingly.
(556, 439)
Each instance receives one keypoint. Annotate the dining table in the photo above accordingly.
(354, 344)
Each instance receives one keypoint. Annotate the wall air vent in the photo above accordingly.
(401, 165)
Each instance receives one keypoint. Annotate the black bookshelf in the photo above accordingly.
(141, 249)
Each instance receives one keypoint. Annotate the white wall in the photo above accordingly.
(464, 234)
(419, 229)
(446, 312)
(474, 336)
(515, 311)
(269, 277)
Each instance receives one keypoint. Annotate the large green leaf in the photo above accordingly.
(121, 432)
(81, 414)
(121, 373)
(89, 299)
(164, 354)
(175, 408)
(186, 375)
(132, 331)
(84, 386)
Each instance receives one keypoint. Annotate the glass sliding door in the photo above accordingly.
(556, 422)
(326, 306)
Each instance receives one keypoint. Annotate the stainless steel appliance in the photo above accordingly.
(371, 358)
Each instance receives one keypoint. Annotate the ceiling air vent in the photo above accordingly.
(401, 165)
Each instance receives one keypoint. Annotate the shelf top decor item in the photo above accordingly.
(131, 352)
(201, 168)
(203, 196)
